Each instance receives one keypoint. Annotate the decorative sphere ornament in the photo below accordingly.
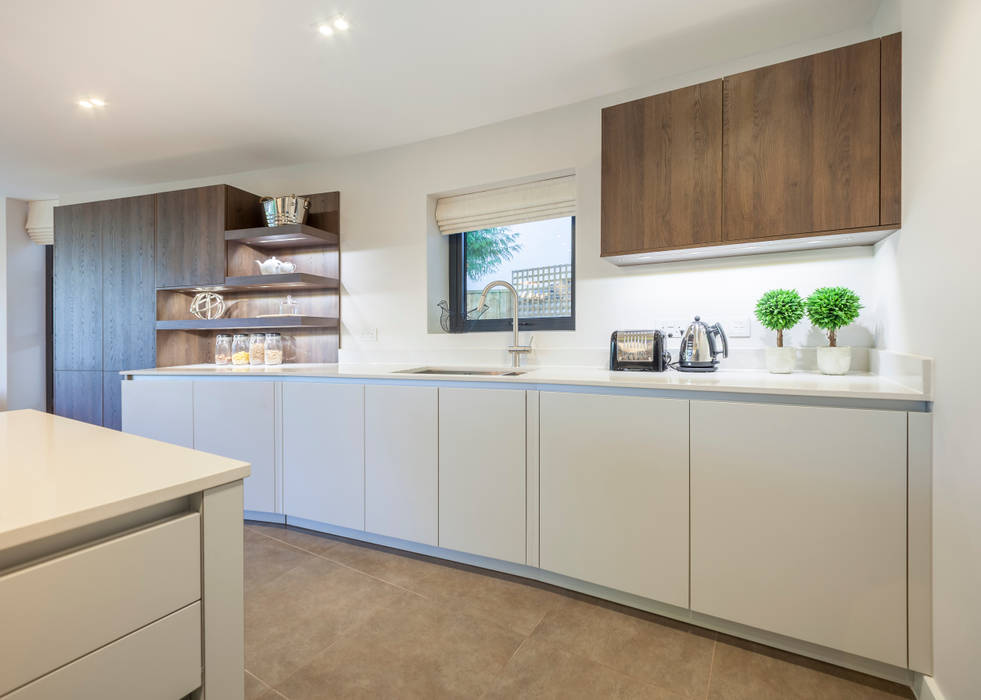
(208, 306)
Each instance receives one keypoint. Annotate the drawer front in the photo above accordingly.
(61, 609)
(161, 661)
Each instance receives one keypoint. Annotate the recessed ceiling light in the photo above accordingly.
(97, 102)
(86, 104)
(341, 24)
(326, 29)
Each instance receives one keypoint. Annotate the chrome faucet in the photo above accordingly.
(515, 349)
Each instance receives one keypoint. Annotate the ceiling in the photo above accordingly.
(206, 87)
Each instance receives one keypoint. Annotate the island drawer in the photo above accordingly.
(59, 609)
(161, 661)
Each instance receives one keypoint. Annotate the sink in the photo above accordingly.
(462, 371)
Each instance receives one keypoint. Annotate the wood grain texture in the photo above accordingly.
(78, 395)
(78, 287)
(242, 209)
(891, 120)
(112, 400)
(190, 247)
(662, 170)
(325, 211)
(128, 297)
(801, 145)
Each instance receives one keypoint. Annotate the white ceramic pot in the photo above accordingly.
(781, 360)
(834, 360)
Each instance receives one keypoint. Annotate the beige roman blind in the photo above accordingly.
(533, 201)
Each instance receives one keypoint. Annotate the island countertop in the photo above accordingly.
(58, 474)
(866, 386)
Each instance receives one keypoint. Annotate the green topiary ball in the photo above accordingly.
(831, 308)
(780, 309)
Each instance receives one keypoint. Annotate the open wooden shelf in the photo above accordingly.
(285, 236)
(259, 283)
(271, 322)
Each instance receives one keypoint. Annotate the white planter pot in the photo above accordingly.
(781, 360)
(834, 360)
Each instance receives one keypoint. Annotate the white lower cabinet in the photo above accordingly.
(401, 442)
(323, 452)
(482, 494)
(614, 492)
(237, 419)
(799, 523)
(159, 409)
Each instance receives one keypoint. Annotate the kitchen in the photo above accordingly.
(720, 533)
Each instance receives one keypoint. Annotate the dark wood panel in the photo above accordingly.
(801, 145)
(78, 287)
(271, 323)
(190, 247)
(242, 209)
(128, 290)
(285, 236)
(112, 400)
(662, 170)
(890, 159)
(78, 395)
(325, 211)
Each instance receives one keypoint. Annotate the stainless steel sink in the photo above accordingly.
(466, 372)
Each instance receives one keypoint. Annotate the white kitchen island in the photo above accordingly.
(120, 565)
(793, 510)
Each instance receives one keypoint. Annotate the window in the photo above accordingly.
(537, 258)
(523, 235)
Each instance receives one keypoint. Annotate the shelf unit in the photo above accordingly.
(271, 323)
(285, 281)
(285, 236)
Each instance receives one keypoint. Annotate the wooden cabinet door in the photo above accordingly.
(237, 419)
(190, 248)
(662, 171)
(400, 431)
(614, 492)
(798, 523)
(78, 287)
(159, 409)
(128, 294)
(801, 148)
(482, 489)
(890, 158)
(323, 452)
(78, 395)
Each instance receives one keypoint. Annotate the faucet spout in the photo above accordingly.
(516, 349)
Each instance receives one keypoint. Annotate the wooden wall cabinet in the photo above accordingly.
(78, 287)
(662, 171)
(808, 148)
(191, 224)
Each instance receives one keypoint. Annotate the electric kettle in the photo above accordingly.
(699, 352)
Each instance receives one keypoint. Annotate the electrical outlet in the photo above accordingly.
(369, 335)
(736, 326)
(674, 328)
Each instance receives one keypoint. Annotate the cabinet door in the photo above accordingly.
(662, 171)
(799, 523)
(128, 295)
(78, 287)
(802, 145)
(614, 492)
(323, 452)
(78, 395)
(190, 248)
(112, 405)
(482, 472)
(159, 409)
(237, 419)
(400, 430)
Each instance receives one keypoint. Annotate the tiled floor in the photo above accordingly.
(329, 618)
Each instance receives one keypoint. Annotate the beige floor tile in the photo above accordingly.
(307, 540)
(746, 671)
(256, 689)
(412, 649)
(540, 670)
(265, 558)
(661, 652)
(289, 620)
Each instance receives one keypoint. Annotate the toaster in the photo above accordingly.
(639, 351)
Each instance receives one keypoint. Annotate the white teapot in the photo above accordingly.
(274, 266)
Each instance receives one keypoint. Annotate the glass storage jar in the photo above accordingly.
(257, 349)
(274, 349)
(223, 349)
(240, 349)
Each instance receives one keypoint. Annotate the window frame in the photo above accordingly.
(458, 296)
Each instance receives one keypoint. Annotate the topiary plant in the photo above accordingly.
(831, 308)
(780, 310)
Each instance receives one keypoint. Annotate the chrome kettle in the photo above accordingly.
(699, 352)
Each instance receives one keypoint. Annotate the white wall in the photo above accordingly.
(393, 273)
(22, 347)
(929, 272)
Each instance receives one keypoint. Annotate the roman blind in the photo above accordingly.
(533, 201)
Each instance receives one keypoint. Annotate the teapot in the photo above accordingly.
(274, 266)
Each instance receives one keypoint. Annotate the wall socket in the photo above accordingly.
(734, 326)
(369, 335)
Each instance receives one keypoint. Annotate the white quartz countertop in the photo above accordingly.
(736, 381)
(58, 474)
